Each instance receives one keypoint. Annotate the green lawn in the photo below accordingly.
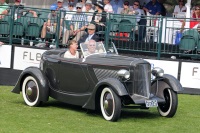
(56, 117)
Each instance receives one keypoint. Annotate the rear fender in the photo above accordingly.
(116, 86)
(40, 78)
(168, 81)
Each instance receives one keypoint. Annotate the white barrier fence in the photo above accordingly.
(24, 57)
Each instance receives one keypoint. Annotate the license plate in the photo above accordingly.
(151, 103)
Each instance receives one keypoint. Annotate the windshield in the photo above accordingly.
(91, 47)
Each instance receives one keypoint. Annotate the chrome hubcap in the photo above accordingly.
(29, 91)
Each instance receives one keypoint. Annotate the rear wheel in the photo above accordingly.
(31, 92)
(110, 104)
(168, 109)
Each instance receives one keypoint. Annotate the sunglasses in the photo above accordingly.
(71, 6)
(78, 8)
(90, 29)
(126, 4)
(197, 9)
(136, 4)
(180, 1)
(92, 45)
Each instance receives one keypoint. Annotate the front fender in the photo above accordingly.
(39, 76)
(116, 86)
(168, 81)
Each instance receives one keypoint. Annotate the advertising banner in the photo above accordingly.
(5, 56)
(26, 57)
(169, 67)
(190, 75)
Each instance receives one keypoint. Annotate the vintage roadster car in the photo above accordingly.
(102, 80)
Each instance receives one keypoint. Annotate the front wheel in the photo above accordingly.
(168, 109)
(110, 104)
(31, 92)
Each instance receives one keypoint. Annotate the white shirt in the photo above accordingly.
(178, 9)
(69, 15)
(89, 14)
(108, 8)
(69, 55)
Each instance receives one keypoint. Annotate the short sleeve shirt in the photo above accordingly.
(108, 8)
(153, 9)
(69, 55)
(52, 18)
(3, 7)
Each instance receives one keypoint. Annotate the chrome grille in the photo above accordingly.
(105, 73)
(142, 80)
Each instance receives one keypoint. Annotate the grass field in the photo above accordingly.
(57, 117)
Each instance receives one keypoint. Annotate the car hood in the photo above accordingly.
(113, 60)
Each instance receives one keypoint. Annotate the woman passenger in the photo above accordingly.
(72, 50)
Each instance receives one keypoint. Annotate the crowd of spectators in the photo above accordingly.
(94, 13)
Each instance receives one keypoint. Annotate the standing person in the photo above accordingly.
(90, 35)
(108, 7)
(137, 10)
(99, 17)
(180, 7)
(77, 26)
(116, 4)
(72, 50)
(153, 7)
(88, 10)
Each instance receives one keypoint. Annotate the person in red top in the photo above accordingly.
(196, 12)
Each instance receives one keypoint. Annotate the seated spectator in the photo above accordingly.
(50, 25)
(82, 2)
(126, 9)
(3, 6)
(78, 25)
(90, 35)
(180, 7)
(116, 4)
(88, 10)
(70, 11)
(108, 7)
(196, 12)
(19, 10)
(99, 16)
(60, 5)
(72, 50)
(91, 48)
(153, 7)
(137, 10)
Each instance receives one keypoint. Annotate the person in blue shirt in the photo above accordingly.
(153, 7)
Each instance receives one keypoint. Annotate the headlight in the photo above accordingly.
(123, 73)
(157, 72)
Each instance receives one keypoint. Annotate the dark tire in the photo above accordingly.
(110, 104)
(169, 108)
(31, 91)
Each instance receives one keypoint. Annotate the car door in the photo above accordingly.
(72, 78)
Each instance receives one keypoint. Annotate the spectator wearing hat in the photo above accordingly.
(108, 7)
(88, 10)
(99, 16)
(180, 7)
(78, 25)
(90, 34)
(126, 9)
(50, 25)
